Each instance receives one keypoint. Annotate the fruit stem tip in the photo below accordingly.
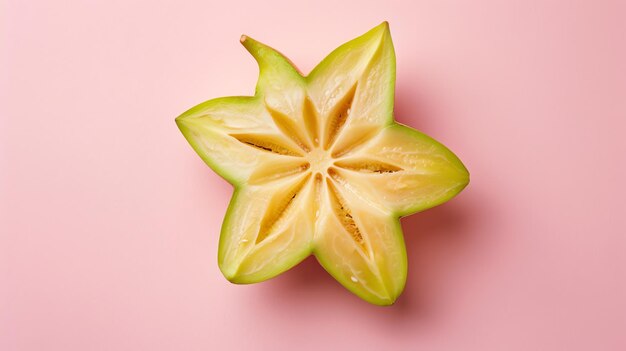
(243, 38)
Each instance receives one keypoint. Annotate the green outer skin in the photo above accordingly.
(260, 53)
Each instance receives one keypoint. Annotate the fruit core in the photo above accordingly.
(319, 160)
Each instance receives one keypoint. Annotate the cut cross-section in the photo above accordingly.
(320, 167)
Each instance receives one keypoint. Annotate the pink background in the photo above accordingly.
(109, 222)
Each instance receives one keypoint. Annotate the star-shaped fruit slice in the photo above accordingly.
(320, 167)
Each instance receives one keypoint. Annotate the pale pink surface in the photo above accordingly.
(109, 221)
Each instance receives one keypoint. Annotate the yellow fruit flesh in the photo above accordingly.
(319, 167)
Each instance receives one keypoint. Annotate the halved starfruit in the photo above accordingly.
(320, 167)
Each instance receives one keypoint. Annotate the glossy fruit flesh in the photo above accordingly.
(320, 167)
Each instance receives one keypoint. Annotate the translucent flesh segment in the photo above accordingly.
(267, 230)
(278, 209)
(269, 143)
(340, 181)
(366, 165)
(366, 63)
(227, 156)
(285, 167)
(354, 139)
(341, 209)
(281, 87)
(311, 121)
(235, 114)
(290, 129)
(377, 276)
(337, 118)
(222, 132)
(318, 189)
(427, 175)
(374, 96)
